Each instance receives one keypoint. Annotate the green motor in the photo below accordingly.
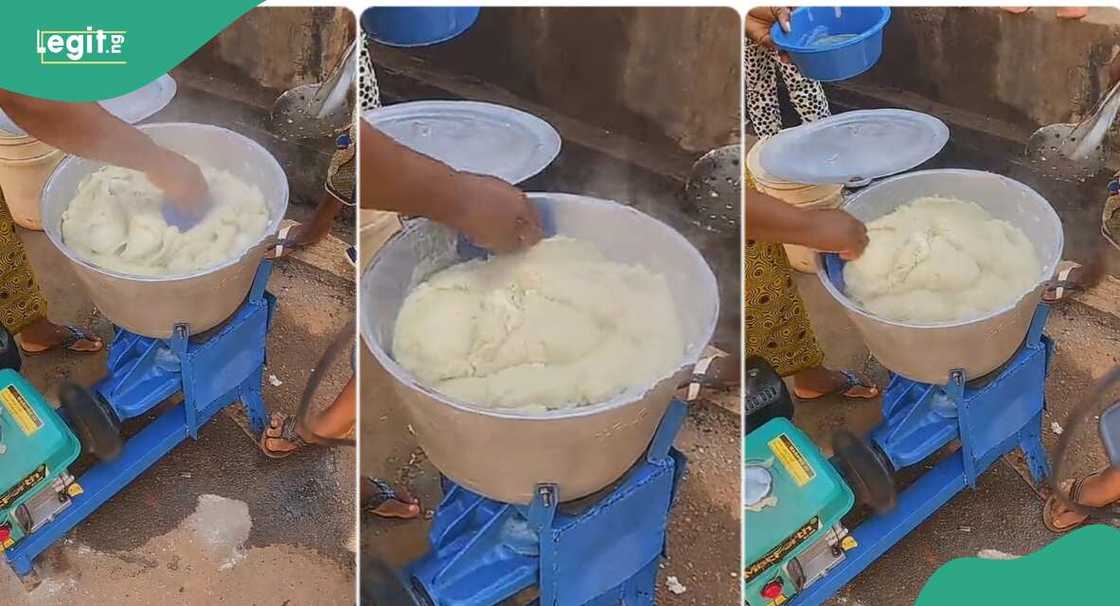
(794, 500)
(36, 450)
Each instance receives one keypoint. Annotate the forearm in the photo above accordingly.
(395, 178)
(771, 220)
(83, 129)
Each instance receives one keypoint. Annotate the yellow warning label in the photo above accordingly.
(8, 543)
(791, 459)
(778, 601)
(20, 410)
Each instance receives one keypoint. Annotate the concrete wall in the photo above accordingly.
(656, 74)
(1027, 70)
(277, 48)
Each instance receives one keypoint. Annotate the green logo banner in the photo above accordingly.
(1074, 569)
(92, 50)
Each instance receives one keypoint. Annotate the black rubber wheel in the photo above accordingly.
(766, 396)
(92, 420)
(382, 585)
(867, 471)
(9, 351)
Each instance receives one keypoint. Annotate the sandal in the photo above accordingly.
(851, 381)
(74, 334)
(1061, 285)
(281, 427)
(379, 499)
(1073, 489)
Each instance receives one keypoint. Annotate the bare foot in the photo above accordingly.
(43, 335)
(1016, 10)
(818, 382)
(1072, 12)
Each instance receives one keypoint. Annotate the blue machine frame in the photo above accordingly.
(605, 553)
(990, 420)
(212, 372)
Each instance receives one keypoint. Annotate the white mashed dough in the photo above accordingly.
(941, 260)
(556, 326)
(115, 221)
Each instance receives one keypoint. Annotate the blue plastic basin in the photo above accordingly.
(828, 47)
(417, 26)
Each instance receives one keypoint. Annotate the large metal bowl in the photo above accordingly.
(153, 305)
(504, 454)
(929, 352)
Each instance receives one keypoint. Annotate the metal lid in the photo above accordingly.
(853, 148)
(130, 107)
(475, 137)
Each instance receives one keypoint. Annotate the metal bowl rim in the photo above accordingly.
(406, 378)
(851, 305)
(269, 231)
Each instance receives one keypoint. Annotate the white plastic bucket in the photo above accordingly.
(22, 148)
(21, 181)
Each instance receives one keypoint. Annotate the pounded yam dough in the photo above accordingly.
(115, 221)
(941, 260)
(556, 326)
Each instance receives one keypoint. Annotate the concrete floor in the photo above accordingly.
(1004, 512)
(215, 521)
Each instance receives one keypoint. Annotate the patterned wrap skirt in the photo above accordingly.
(776, 325)
(21, 301)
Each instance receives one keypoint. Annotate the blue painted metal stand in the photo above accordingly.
(212, 371)
(603, 553)
(990, 420)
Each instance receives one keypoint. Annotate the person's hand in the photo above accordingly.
(494, 214)
(759, 21)
(182, 182)
(832, 230)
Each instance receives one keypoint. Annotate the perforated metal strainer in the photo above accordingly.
(1075, 151)
(714, 188)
